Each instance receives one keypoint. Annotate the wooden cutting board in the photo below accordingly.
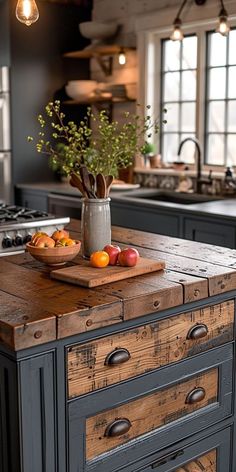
(86, 276)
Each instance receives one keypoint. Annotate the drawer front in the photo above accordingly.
(115, 358)
(117, 426)
(205, 463)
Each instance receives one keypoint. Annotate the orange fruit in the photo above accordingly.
(99, 259)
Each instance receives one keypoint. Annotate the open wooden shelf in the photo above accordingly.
(93, 51)
(91, 100)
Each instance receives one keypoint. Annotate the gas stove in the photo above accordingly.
(17, 224)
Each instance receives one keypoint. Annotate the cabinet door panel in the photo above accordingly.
(209, 232)
(38, 416)
(145, 219)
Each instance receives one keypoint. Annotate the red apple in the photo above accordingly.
(44, 241)
(60, 234)
(128, 257)
(113, 252)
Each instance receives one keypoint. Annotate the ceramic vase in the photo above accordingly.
(95, 225)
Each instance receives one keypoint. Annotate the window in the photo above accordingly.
(220, 139)
(197, 80)
(179, 67)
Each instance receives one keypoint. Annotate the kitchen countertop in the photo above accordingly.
(39, 310)
(223, 208)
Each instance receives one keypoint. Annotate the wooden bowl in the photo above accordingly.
(54, 256)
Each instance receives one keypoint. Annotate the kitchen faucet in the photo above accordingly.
(199, 160)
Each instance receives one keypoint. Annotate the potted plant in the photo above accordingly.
(91, 153)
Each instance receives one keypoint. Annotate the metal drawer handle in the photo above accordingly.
(195, 396)
(198, 331)
(117, 428)
(168, 458)
(118, 356)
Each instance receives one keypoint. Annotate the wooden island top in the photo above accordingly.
(35, 309)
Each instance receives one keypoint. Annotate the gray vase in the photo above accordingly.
(95, 225)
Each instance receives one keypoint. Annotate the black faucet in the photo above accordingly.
(199, 160)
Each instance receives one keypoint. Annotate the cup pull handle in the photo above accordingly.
(117, 357)
(197, 332)
(117, 428)
(196, 395)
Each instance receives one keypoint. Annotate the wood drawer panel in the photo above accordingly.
(148, 413)
(150, 346)
(205, 463)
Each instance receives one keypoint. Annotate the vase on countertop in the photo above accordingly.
(95, 225)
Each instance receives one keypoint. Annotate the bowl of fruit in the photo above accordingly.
(54, 250)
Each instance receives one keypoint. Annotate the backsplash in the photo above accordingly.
(217, 186)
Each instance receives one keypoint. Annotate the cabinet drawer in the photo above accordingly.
(117, 426)
(153, 413)
(115, 358)
(211, 454)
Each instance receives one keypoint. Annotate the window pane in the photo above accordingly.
(189, 85)
(171, 86)
(216, 118)
(232, 47)
(231, 155)
(217, 49)
(232, 82)
(170, 147)
(188, 117)
(188, 149)
(217, 82)
(215, 149)
(172, 117)
(232, 116)
(171, 55)
(189, 59)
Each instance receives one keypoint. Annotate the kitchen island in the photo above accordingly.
(133, 376)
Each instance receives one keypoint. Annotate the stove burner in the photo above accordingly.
(13, 213)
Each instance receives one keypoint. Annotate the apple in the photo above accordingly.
(37, 235)
(65, 242)
(113, 252)
(60, 234)
(44, 241)
(128, 257)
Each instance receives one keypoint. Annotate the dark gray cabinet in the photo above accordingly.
(145, 218)
(174, 221)
(210, 232)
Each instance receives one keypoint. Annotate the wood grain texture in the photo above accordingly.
(149, 413)
(194, 271)
(86, 276)
(21, 326)
(206, 463)
(139, 297)
(150, 346)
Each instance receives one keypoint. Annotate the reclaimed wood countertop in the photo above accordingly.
(35, 309)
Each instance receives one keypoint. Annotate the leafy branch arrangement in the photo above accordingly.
(93, 158)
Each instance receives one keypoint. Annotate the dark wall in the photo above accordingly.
(37, 72)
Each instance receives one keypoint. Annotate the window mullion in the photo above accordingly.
(201, 88)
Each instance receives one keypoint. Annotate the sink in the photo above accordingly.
(173, 197)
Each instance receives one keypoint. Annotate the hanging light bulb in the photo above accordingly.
(223, 26)
(177, 33)
(122, 57)
(27, 12)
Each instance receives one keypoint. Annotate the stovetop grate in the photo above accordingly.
(14, 213)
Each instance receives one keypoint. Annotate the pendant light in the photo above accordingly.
(27, 12)
(177, 33)
(223, 25)
(122, 57)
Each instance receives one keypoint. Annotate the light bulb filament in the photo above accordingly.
(27, 11)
